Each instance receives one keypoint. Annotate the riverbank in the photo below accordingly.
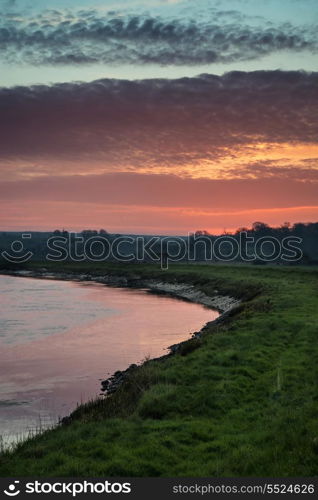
(239, 400)
(221, 303)
(186, 292)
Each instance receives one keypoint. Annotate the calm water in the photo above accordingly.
(58, 338)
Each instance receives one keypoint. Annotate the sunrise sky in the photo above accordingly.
(158, 116)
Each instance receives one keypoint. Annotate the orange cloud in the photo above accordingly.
(43, 215)
(161, 155)
(154, 204)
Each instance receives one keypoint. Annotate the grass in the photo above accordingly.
(241, 402)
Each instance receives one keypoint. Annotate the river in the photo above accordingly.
(58, 339)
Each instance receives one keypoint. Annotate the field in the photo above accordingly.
(241, 401)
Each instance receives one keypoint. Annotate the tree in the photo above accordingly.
(202, 233)
(261, 228)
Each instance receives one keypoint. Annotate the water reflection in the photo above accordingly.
(57, 338)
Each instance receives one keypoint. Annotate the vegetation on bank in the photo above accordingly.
(243, 401)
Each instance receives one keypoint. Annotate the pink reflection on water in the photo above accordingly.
(100, 330)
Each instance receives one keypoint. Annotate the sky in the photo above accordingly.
(158, 116)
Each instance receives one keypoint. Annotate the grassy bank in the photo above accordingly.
(243, 400)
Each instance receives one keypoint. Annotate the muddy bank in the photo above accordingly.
(226, 305)
(183, 291)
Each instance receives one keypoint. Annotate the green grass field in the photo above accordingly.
(243, 401)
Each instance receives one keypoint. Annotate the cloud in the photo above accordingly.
(8, 4)
(84, 37)
(164, 204)
(131, 189)
(302, 171)
(148, 125)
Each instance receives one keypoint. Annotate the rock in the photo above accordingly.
(66, 420)
(174, 348)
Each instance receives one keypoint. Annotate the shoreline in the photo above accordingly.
(224, 304)
(184, 291)
(215, 410)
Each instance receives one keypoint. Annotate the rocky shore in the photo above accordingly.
(179, 290)
(224, 304)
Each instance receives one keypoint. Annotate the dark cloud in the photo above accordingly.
(149, 123)
(303, 170)
(86, 37)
